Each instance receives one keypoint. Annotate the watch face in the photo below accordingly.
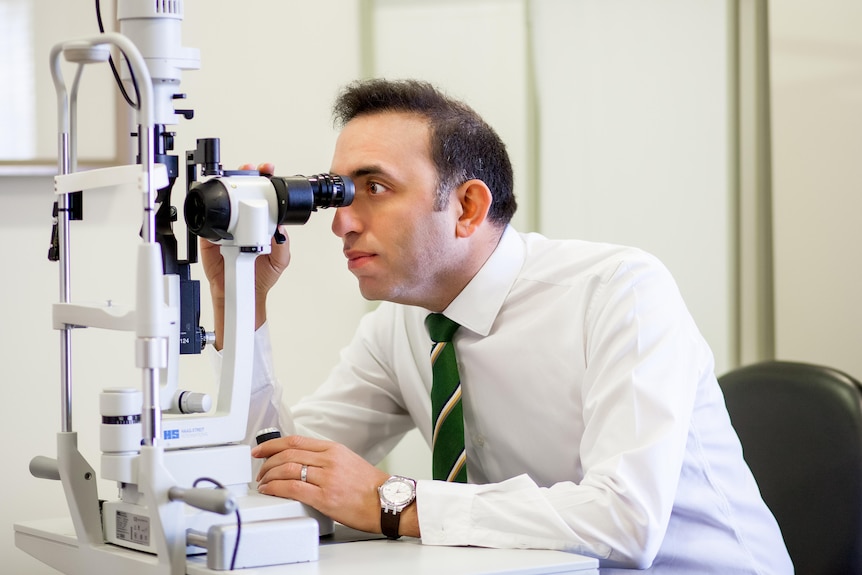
(397, 491)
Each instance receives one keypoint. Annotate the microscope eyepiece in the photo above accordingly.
(209, 205)
(298, 196)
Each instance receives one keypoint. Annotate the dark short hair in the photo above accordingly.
(463, 145)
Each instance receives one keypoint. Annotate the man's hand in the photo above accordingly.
(339, 483)
(267, 269)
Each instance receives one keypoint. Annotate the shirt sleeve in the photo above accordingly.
(643, 356)
(266, 408)
(514, 513)
(360, 404)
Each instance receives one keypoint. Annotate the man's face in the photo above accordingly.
(397, 246)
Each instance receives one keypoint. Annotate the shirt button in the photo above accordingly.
(479, 440)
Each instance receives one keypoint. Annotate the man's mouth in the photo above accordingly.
(357, 258)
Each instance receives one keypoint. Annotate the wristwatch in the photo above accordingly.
(396, 493)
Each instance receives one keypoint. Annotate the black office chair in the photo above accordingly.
(801, 431)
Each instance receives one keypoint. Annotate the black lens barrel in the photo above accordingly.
(298, 196)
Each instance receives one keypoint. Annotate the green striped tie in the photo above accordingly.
(447, 445)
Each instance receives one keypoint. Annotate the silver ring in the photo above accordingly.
(303, 475)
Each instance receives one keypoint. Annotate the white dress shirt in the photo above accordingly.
(593, 419)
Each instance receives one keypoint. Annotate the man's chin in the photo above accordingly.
(371, 292)
(374, 291)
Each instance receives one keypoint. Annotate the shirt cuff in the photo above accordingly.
(511, 514)
(444, 511)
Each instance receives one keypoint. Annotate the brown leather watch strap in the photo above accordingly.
(389, 522)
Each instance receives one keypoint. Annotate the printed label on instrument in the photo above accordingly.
(133, 528)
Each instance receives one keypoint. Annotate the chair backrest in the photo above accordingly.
(800, 426)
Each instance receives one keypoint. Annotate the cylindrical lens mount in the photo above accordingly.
(298, 196)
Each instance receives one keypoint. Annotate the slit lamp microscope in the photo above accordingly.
(159, 443)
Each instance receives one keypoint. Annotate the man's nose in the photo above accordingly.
(345, 221)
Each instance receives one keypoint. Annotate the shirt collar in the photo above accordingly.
(478, 304)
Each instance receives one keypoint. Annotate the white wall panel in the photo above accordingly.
(816, 65)
(634, 128)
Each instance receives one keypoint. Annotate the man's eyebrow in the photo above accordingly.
(372, 170)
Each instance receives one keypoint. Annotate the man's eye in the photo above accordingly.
(376, 188)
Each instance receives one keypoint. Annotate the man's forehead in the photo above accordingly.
(380, 137)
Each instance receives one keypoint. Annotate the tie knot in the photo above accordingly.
(440, 327)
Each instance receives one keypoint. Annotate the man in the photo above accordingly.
(593, 422)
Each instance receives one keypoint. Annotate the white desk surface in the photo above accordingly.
(409, 556)
(368, 557)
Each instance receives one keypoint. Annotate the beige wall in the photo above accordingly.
(816, 60)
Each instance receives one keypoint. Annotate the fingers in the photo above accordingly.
(285, 457)
(293, 481)
(287, 464)
(288, 443)
(338, 482)
(280, 254)
(205, 245)
(289, 471)
(272, 446)
(264, 168)
(292, 489)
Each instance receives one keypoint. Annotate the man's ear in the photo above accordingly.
(474, 197)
